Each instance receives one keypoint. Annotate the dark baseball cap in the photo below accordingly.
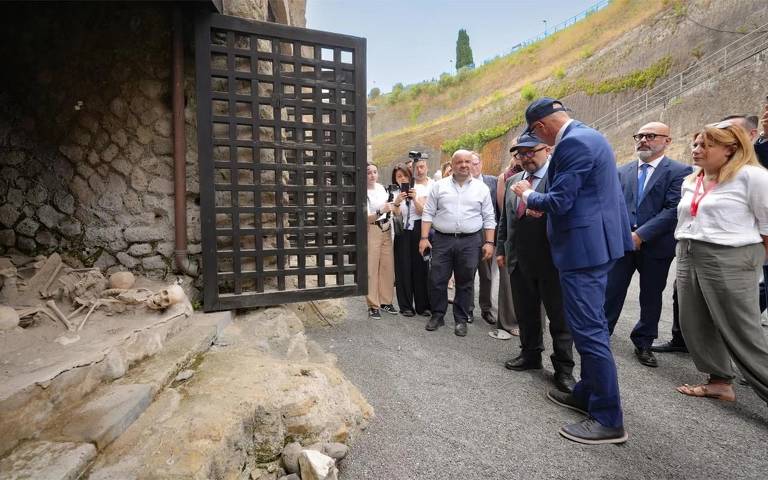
(526, 140)
(540, 108)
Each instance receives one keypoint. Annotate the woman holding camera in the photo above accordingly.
(411, 269)
(381, 273)
(722, 234)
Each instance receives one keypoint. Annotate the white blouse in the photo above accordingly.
(734, 213)
(377, 197)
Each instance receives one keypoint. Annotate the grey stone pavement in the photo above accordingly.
(446, 408)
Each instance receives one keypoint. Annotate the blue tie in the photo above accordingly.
(641, 182)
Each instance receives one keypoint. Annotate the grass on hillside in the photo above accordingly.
(497, 87)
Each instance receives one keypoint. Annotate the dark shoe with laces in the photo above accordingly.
(426, 313)
(461, 330)
(374, 313)
(590, 432)
(567, 400)
(407, 313)
(645, 356)
(668, 347)
(434, 323)
(389, 309)
(564, 382)
(521, 363)
(489, 318)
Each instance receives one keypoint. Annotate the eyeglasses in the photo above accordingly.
(648, 136)
(529, 154)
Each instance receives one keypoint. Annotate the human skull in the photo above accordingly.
(123, 280)
(166, 297)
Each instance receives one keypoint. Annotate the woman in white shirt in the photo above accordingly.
(381, 270)
(722, 234)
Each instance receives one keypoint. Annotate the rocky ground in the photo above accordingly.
(447, 409)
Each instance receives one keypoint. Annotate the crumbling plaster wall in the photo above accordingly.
(86, 164)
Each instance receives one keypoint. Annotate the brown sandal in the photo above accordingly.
(705, 391)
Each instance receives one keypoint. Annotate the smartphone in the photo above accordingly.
(404, 187)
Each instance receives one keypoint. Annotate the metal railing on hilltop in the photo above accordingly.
(706, 68)
(562, 25)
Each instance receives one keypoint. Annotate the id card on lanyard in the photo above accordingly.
(698, 194)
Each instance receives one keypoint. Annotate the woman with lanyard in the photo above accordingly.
(381, 272)
(722, 234)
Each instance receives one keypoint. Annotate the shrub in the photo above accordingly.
(528, 92)
(374, 93)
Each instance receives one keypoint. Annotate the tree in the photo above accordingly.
(375, 92)
(463, 51)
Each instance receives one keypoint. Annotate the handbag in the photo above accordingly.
(397, 224)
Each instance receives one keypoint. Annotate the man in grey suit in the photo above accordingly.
(522, 246)
(484, 267)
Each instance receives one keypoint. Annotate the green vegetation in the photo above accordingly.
(463, 51)
(559, 73)
(476, 140)
(586, 53)
(415, 112)
(374, 93)
(528, 92)
(645, 78)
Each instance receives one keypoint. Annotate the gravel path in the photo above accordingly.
(446, 408)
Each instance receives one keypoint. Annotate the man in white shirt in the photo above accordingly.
(460, 209)
(651, 186)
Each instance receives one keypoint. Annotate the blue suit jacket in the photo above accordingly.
(587, 222)
(655, 219)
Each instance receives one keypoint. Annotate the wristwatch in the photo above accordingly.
(490, 243)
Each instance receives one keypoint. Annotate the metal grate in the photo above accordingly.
(282, 152)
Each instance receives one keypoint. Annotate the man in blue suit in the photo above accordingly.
(651, 185)
(588, 231)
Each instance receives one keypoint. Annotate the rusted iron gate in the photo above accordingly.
(282, 152)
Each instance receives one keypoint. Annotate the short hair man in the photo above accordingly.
(522, 246)
(588, 231)
(484, 267)
(759, 138)
(651, 185)
(461, 210)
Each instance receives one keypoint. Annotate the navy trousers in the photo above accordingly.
(653, 278)
(458, 256)
(583, 299)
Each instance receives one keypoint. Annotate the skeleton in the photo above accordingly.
(166, 297)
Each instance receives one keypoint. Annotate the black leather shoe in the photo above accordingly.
(488, 317)
(434, 323)
(567, 400)
(521, 363)
(589, 431)
(461, 330)
(407, 313)
(564, 382)
(426, 313)
(668, 347)
(645, 356)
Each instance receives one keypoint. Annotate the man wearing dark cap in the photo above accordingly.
(588, 231)
(522, 247)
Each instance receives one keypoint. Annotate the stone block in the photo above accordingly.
(110, 153)
(140, 249)
(93, 158)
(165, 249)
(97, 184)
(15, 197)
(120, 138)
(101, 141)
(48, 460)
(317, 466)
(37, 195)
(85, 170)
(7, 238)
(27, 227)
(122, 165)
(82, 137)
(70, 227)
(163, 127)
(48, 216)
(139, 180)
(127, 260)
(143, 234)
(151, 88)
(62, 169)
(104, 261)
(111, 201)
(118, 107)
(144, 135)
(132, 202)
(82, 191)
(155, 262)
(9, 214)
(89, 122)
(162, 146)
(135, 151)
(72, 152)
(160, 185)
(64, 202)
(26, 244)
(15, 157)
(46, 239)
(106, 416)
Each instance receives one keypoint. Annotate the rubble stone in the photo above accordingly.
(8, 215)
(48, 216)
(154, 263)
(27, 227)
(7, 238)
(140, 249)
(127, 260)
(143, 234)
(25, 244)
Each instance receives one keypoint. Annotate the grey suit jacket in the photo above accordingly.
(505, 231)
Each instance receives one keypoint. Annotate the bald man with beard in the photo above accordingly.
(651, 186)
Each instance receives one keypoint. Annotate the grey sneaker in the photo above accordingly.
(374, 313)
(389, 309)
(590, 432)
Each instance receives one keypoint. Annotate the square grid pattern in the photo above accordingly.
(283, 174)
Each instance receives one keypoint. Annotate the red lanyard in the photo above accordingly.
(696, 200)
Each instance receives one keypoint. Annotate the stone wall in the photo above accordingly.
(86, 164)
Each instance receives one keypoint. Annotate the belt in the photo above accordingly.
(458, 235)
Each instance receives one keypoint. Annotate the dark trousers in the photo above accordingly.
(531, 287)
(583, 300)
(411, 271)
(485, 272)
(653, 278)
(457, 255)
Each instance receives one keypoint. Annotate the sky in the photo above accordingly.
(409, 41)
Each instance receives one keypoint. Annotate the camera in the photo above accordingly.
(415, 155)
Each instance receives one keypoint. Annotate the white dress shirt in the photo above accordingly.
(454, 208)
(733, 213)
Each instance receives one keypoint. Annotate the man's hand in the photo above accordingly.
(636, 240)
(501, 260)
(533, 213)
(520, 187)
(423, 246)
(487, 251)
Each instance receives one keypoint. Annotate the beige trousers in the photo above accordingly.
(719, 312)
(381, 267)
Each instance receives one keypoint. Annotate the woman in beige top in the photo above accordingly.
(722, 234)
